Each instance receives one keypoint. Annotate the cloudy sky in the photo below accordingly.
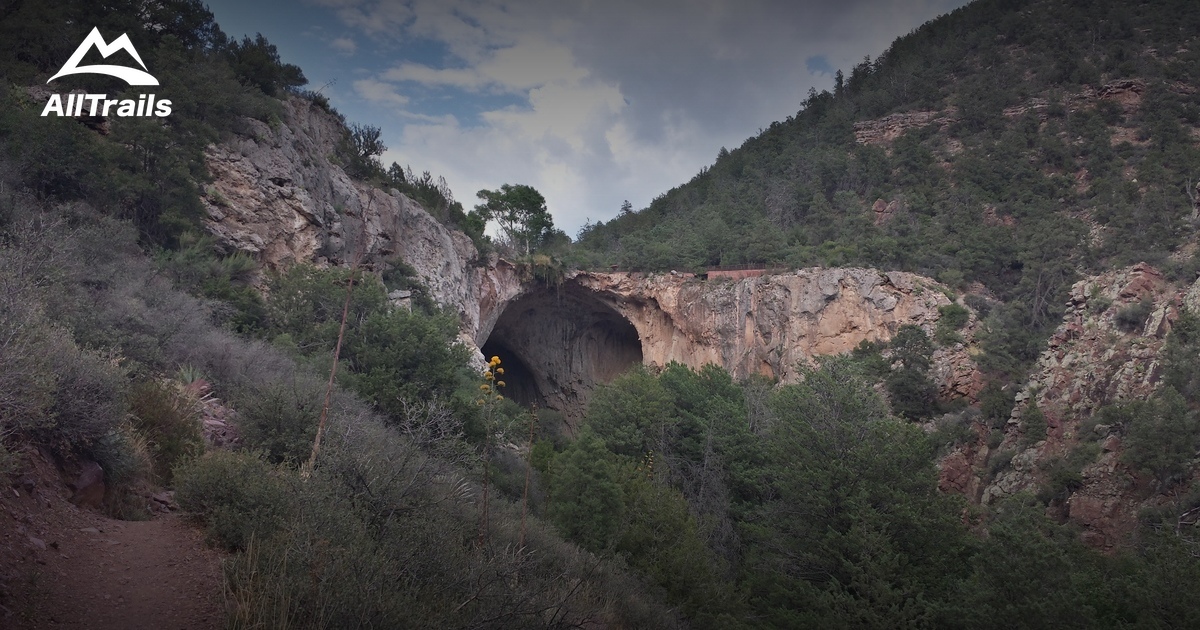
(591, 102)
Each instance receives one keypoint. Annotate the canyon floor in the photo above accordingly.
(62, 566)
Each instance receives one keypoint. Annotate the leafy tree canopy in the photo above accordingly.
(521, 212)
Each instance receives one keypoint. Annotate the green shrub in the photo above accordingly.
(89, 397)
(281, 420)
(869, 355)
(1131, 318)
(1162, 436)
(996, 403)
(1033, 425)
(238, 495)
(397, 355)
(124, 455)
(1064, 475)
(999, 461)
(952, 318)
(587, 499)
(954, 429)
(170, 423)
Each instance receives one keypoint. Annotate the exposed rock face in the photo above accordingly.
(1090, 362)
(598, 324)
(885, 131)
(276, 195)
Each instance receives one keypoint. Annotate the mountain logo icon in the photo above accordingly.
(132, 76)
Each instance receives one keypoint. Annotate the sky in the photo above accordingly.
(591, 102)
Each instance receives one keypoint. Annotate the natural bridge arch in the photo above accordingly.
(557, 344)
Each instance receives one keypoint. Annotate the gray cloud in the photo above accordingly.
(620, 99)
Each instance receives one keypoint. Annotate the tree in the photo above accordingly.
(587, 500)
(256, 62)
(363, 146)
(521, 212)
(854, 532)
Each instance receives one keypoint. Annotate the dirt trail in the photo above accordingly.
(67, 567)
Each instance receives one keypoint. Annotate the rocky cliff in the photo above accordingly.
(595, 325)
(1098, 356)
(278, 194)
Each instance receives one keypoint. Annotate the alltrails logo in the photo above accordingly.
(100, 104)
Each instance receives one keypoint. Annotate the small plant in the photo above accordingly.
(1131, 318)
(216, 197)
(1064, 475)
(189, 374)
(170, 423)
(1033, 425)
(954, 429)
(952, 317)
(999, 462)
(281, 421)
(1098, 305)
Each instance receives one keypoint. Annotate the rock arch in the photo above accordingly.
(561, 342)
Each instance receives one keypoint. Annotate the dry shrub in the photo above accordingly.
(169, 420)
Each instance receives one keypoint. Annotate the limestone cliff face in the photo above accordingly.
(277, 196)
(596, 325)
(768, 324)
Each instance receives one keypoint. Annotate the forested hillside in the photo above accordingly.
(1006, 149)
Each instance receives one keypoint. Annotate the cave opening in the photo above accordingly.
(519, 382)
(560, 345)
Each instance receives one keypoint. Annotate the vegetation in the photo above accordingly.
(821, 509)
(686, 498)
(1024, 156)
(521, 212)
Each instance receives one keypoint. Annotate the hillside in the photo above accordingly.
(1006, 149)
(239, 303)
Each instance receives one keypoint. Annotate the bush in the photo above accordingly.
(952, 318)
(397, 355)
(281, 420)
(1131, 318)
(1162, 436)
(954, 429)
(1064, 475)
(170, 423)
(1033, 425)
(89, 398)
(996, 402)
(125, 457)
(238, 495)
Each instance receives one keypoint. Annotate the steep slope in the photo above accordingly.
(277, 196)
(1110, 350)
(1013, 144)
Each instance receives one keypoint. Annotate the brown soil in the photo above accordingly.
(62, 566)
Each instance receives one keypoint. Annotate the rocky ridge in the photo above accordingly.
(1091, 361)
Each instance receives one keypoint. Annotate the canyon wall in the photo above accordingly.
(278, 194)
(595, 325)
(1093, 359)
